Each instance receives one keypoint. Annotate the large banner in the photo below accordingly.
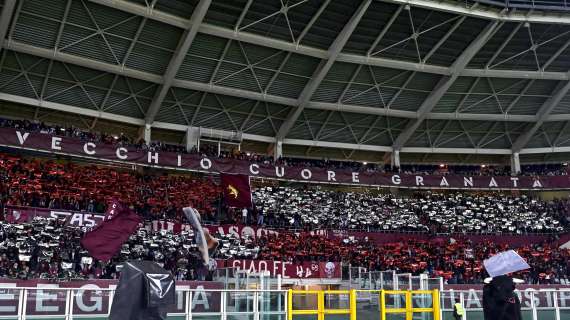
(91, 298)
(543, 295)
(76, 219)
(71, 146)
(89, 220)
(305, 270)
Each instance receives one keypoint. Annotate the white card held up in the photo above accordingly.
(504, 263)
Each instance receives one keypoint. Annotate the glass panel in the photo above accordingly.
(337, 317)
(396, 316)
(388, 279)
(9, 299)
(205, 317)
(272, 301)
(45, 302)
(305, 302)
(395, 301)
(91, 302)
(422, 316)
(474, 315)
(240, 316)
(565, 314)
(205, 301)
(448, 315)
(265, 316)
(421, 301)
(305, 317)
(563, 298)
(241, 301)
(337, 301)
(546, 314)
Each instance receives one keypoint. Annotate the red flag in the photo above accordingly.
(106, 239)
(237, 191)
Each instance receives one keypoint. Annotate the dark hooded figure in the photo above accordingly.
(500, 301)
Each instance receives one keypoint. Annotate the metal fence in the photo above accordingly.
(205, 304)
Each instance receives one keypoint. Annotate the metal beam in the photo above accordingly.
(487, 12)
(444, 84)
(558, 94)
(322, 69)
(5, 19)
(260, 138)
(213, 30)
(177, 59)
(216, 89)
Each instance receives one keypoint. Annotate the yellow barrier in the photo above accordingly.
(321, 311)
(409, 308)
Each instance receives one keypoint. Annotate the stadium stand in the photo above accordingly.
(47, 249)
(424, 212)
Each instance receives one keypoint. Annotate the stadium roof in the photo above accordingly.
(418, 76)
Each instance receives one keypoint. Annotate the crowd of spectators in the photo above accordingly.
(287, 207)
(457, 261)
(214, 151)
(46, 249)
(70, 186)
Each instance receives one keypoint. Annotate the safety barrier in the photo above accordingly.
(409, 308)
(321, 311)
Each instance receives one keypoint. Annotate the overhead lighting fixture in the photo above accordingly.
(441, 165)
(365, 163)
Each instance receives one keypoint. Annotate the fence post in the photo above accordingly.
(409, 313)
(352, 304)
(533, 306)
(256, 305)
(435, 304)
(290, 304)
(556, 307)
(382, 305)
(321, 305)
(25, 307)
(189, 305)
(21, 298)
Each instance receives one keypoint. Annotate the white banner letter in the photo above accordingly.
(22, 138)
(56, 143)
(87, 150)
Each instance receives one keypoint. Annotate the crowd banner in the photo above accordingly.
(88, 220)
(72, 146)
(43, 300)
(543, 295)
(287, 270)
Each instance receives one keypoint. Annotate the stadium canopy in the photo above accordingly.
(351, 78)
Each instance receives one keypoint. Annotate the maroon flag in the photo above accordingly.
(237, 191)
(106, 239)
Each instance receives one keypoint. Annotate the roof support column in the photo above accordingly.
(192, 138)
(147, 134)
(322, 70)
(515, 164)
(177, 59)
(278, 149)
(395, 157)
(444, 84)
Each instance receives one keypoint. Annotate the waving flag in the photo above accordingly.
(106, 239)
(237, 190)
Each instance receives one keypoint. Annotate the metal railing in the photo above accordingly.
(88, 302)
